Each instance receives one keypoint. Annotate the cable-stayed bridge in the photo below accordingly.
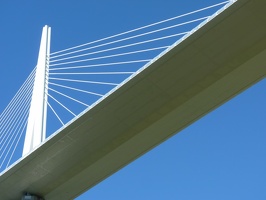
(142, 111)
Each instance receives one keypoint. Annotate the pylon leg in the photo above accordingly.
(29, 196)
(36, 127)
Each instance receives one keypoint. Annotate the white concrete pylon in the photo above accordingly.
(36, 127)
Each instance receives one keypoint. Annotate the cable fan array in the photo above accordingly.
(13, 121)
(83, 74)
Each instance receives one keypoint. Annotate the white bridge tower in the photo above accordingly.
(36, 127)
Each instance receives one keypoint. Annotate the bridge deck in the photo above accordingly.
(214, 64)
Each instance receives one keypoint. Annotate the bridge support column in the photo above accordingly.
(36, 127)
(28, 196)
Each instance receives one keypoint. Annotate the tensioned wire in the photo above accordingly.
(19, 110)
(128, 45)
(110, 50)
(9, 117)
(61, 104)
(85, 81)
(69, 97)
(76, 89)
(30, 78)
(119, 47)
(10, 120)
(111, 56)
(13, 118)
(16, 102)
(12, 128)
(101, 65)
(92, 73)
(15, 99)
(13, 113)
(135, 36)
(15, 133)
(143, 27)
(16, 145)
(55, 113)
(54, 62)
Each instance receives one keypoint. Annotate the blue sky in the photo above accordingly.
(221, 156)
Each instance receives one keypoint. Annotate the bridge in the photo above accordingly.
(160, 99)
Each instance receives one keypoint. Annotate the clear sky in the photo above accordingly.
(221, 156)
